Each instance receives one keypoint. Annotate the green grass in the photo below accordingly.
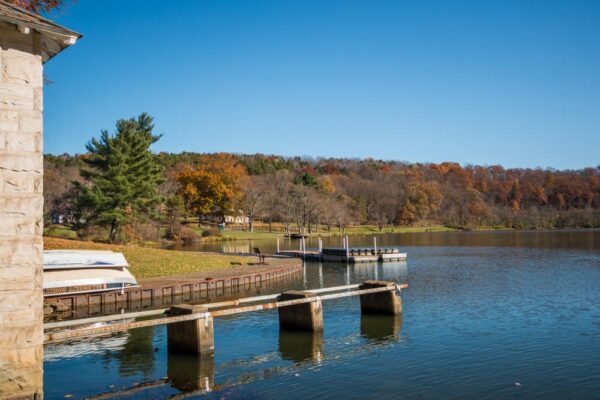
(147, 262)
(234, 234)
(372, 230)
(363, 230)
(59, 231)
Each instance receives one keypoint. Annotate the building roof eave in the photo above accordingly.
(55, 37)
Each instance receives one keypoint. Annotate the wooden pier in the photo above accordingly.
(192, 325)
(190, 333)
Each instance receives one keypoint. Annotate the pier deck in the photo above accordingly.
(351, 255)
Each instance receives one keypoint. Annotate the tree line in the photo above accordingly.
(121, 187)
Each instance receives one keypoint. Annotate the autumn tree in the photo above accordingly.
(255, 197)
(38, 6)
(214, 184)
(202, 191)
(277, 198)
(174, 209)
(121, 176)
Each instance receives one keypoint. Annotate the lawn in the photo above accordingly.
(148, 262)
(60, 231)
(232, 234)
(235, 234)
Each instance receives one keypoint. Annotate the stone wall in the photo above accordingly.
(21, 205)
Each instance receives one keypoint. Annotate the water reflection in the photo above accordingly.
(301, 346)
(188, 372)
(477, 320)
(137, 353)
(381, 328)
(587, 239)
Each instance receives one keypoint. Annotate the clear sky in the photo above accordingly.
(481, 82)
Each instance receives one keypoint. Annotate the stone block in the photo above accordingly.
(8, 271)
(38, 99)
(25, 251)
(20, 383)
(22, 205)
(20, 182)
(19, 317)
(16, 90)
(25, 358)
(385, 303)
(15, 300)
(194, 337)
(30, 122)
(23, 68)
(9, 120)
(306, 316)
(21, 335)
(21, 142)
(21, 163)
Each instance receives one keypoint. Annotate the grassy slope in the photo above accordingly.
(367, 230)
(234, 234)
(149, 262)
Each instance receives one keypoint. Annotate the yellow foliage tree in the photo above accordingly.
(215, 184)
(202, 191)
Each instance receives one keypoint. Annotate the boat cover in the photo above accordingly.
(83, 259)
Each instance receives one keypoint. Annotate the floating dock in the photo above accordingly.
(351, 255)
(362, 254)
(346, 254)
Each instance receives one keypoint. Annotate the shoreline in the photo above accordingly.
(248, 236)
(158, 292)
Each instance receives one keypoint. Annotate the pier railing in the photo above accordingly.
(191, 326)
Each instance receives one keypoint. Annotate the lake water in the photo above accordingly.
(494, 315)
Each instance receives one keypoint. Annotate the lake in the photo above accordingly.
(488, 315)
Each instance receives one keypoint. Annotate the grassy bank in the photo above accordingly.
(150, 262)
(263, 234)
(233, 234)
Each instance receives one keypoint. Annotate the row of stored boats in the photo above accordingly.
(85, 271)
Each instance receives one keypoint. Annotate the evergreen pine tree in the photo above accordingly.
(122, 175)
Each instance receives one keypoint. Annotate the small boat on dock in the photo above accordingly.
(85, 271)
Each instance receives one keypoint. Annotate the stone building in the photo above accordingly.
(27, 41)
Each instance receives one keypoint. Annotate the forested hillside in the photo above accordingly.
(336, 192)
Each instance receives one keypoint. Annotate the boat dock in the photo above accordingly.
(345, 254)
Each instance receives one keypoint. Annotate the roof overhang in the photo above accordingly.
(55, 38)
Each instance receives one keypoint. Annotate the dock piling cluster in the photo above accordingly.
(345, 254)
(297, 310)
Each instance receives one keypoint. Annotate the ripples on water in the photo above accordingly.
(481, 320)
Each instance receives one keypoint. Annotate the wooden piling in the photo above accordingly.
(386, 303)
(196, 336)
(303, 247)
(304, 317)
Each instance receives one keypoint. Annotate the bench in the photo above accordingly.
(261, 257)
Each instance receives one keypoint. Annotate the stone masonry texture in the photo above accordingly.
(21, 203)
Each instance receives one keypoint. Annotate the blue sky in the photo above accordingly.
(482, 82)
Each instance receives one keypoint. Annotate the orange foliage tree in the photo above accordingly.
(215, 185)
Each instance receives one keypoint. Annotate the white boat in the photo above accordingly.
(85, 271)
